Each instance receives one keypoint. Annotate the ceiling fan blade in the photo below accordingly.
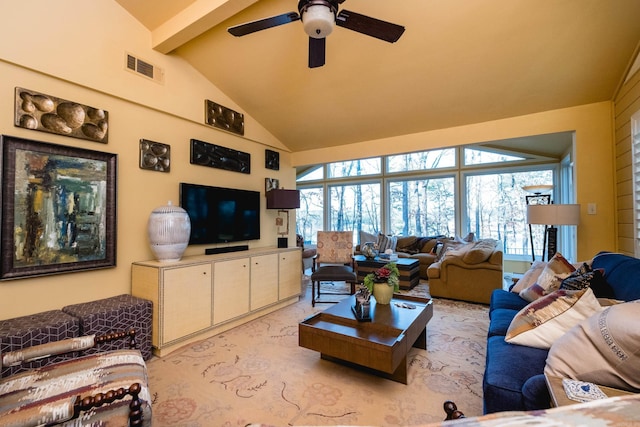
(317, 48)
(263, 24)
(373, 27)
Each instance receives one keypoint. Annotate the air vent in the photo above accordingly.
(144, 68)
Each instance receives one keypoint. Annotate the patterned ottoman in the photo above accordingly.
(121, 312)
(40, 328)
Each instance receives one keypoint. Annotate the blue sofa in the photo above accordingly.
(513, 377)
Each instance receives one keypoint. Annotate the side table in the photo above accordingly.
(559, 397)
(408, 268)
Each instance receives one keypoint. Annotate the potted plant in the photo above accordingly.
(383, 282)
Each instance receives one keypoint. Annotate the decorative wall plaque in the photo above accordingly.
(221, 117)
(271, 184)
(271, 160)
(215, 156)
(155, 156)
(45, 113)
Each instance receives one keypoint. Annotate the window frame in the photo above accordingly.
(459, 173)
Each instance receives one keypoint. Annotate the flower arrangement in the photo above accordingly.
(388, 273)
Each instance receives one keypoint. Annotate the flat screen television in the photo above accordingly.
(221, 215)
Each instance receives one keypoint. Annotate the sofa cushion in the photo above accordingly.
(500, 320)
(604, 349)
(426, 244)
(407, 244)
(480, 251)
(549, 280)
(545, 320)
(530, 276)
(503, 299)
(508, 367)
(621, 272)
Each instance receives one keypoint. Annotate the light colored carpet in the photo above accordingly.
(257, 373)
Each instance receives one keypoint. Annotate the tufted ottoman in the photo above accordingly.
(40, 328)
(121, 312)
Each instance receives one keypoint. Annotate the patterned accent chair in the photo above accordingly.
(88, 390)
(333, 263)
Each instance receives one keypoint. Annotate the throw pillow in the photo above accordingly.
(530, 277)
(367, 237)
(407, 244)
(546, 319)
(586, 277)
(604, 349)
(449, 245)
(532, 293)
(549, 280)
(480, 251)
(386, 242)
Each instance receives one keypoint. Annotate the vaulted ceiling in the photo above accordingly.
(459, 62)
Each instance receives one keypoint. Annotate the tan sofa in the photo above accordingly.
(469, 273)
(420, 248)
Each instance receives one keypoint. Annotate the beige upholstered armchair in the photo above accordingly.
(469, 273)
(333, 262)
(106, 389)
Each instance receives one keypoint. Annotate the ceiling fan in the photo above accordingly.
(319, 18)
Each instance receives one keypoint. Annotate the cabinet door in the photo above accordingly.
(186, 301)
(230, 289)
(290, 272)
(264, 280)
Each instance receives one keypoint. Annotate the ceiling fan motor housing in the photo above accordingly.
(318, 17)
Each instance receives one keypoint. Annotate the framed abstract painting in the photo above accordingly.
(58, 209)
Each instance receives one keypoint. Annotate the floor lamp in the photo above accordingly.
(540, 196)
(550, 216)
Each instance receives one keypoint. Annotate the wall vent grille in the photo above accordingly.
(144, 68)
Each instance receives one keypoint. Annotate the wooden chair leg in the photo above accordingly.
(313, 293)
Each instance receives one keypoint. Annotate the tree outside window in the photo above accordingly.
(496, 208)
(424, 207)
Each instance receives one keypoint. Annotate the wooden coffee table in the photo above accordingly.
(379, 346)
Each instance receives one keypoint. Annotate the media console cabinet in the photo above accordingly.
(203, 295)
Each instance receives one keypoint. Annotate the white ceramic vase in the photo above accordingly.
(169, 228)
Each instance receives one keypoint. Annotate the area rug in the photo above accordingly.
(257, 373)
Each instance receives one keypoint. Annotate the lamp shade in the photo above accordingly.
(283, 199)
(553, 214)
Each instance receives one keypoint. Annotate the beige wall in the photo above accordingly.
(75, 50)
(627, 103)
(83, 61)
(593, 148)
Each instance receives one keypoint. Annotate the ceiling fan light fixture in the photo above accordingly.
(318, 21)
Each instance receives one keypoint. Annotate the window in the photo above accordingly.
(474, 156)
(312, 174)
(433, 159)
(424, 207)
(496, 208)
(310, 215)
(354, 168)
(635, 148)
(431, 193)
(355, 207)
